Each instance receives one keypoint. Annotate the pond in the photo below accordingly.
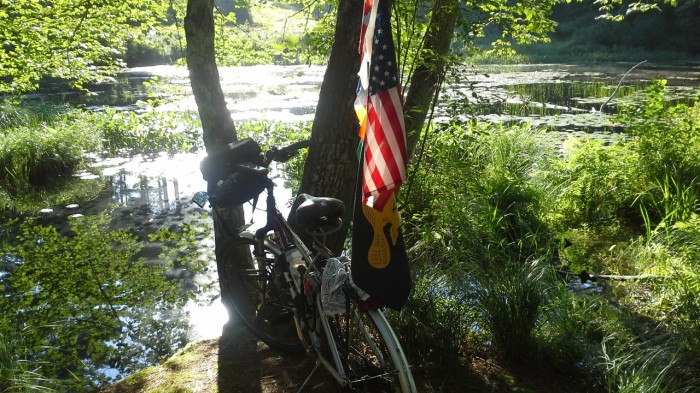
(157, 191)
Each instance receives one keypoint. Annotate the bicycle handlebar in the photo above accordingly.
(283, 154)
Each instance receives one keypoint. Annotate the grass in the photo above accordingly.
(639, 366)
(42, 147)
(15, 373)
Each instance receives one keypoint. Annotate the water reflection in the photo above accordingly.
(156, 192)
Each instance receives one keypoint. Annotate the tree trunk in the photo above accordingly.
(217, 125)
(331, 165)
(427, 77)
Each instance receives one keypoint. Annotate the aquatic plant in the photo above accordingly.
(151, 132)
(33, 155)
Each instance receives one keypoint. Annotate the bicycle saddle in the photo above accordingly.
(318, 210)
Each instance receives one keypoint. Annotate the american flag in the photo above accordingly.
(379, 260)
(384, 166)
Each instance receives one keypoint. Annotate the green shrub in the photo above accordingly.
(667, 142)
(667, 135)
(596, 184)
(34, 156)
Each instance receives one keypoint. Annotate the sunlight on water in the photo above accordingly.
(271, 93)
(207, 321)
(158, 191)
(160, 183)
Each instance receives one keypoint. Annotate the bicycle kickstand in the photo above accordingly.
(311, 374)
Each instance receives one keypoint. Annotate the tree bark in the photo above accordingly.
(331, 165)
(217, 126)
(427, 77)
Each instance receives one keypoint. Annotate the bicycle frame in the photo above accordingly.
(287, 238)
(345, 342)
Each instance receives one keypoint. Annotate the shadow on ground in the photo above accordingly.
(247, 365)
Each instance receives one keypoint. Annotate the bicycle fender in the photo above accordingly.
(270, 244)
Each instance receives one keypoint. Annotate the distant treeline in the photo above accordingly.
(671, 29)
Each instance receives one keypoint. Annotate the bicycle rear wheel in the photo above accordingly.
(261, 297)
(367, 352)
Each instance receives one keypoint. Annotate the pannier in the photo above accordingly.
(240, 187)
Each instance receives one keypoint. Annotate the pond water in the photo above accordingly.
(158, 190)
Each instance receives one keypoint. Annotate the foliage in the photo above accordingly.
(509, 300)
(266, 42)
(15, 373)
(573, 325)
(80, 301)
(150, 132)
(75, 41)
(475, 201)
(612, 9)
(595, 184)
(31, 155)
(633, 364)
(667, 136)
(41, 150)
(476, 192)
(31, 114)
(671, 254)
(317, 41)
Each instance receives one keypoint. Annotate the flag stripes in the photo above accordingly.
(385, 155)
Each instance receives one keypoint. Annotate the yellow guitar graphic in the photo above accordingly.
(379, 254)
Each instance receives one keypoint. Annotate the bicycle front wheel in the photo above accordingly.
(261, 296)
(366, 352)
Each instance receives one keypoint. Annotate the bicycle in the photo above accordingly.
(303, 300)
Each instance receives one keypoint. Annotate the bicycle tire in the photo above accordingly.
(368, 352)
(262, 300)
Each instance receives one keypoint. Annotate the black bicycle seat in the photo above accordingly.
(314, 209)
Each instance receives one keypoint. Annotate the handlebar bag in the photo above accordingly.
(219, 165)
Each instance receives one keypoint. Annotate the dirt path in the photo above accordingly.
(235, 363)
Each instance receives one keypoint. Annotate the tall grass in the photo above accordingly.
(476, 204)
(42, 146)
(509, 300)
(16, 374)
(32, 156)
(487, 201)
(636, 365)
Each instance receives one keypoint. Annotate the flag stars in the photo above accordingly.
(383, 72)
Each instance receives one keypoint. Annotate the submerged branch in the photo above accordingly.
(620, 84)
